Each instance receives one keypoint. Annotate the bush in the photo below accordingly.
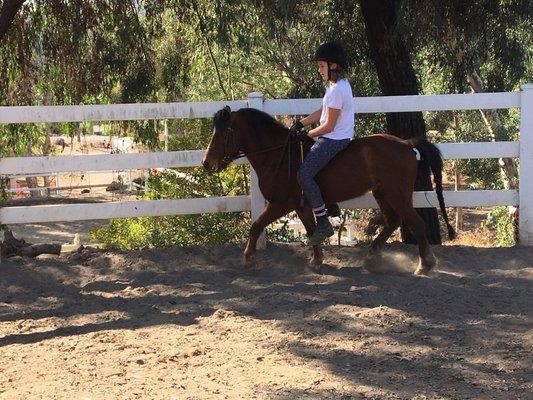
(124, 233)
(182, 230)
(158, 232)
(502, 224)
(283, 234)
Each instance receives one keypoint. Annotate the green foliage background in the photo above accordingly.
(92, 51)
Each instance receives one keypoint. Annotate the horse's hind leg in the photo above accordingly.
(402, 204)
(308, 220)
(270, 213)
(392, 222)
(418, 229)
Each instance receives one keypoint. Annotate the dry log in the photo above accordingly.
(11, 246)
(41, 248)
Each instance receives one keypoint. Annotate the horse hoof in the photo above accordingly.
(422, 271)
(426, 265)
(316, 261)
(249, 264)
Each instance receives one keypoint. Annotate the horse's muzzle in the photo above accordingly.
(210, 167)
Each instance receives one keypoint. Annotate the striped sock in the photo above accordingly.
(320, 211)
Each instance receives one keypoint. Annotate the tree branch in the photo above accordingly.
(205, 33)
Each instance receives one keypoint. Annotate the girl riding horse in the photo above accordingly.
(336, 117)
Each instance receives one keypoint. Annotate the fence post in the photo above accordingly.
(525, 192)
(255, 100)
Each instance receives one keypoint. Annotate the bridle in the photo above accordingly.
(229, 131)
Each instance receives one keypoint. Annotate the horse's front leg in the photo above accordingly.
(308, 220)
(270, 213)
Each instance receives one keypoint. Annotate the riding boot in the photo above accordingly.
(322, 232)
(333, 210)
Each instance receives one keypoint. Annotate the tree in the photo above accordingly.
(95, 51)
(491, 54)
(397, 77)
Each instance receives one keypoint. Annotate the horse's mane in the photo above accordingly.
(259, 121)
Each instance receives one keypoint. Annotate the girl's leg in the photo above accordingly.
(319, 155)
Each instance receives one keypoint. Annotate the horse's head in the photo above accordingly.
(224, 146)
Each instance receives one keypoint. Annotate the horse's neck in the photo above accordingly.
(272, 157)
(276, 179)
(263, 164)
(261, 157)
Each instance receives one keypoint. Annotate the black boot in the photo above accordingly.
(322, 232)
(333, 210)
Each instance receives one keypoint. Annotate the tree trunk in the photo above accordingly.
(9, 9)
(459, 210)
(457, 173)
(12, 246)
(397, 77)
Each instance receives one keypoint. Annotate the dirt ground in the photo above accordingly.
(190, 323)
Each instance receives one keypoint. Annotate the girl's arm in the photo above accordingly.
(331, 119)
(312, 118)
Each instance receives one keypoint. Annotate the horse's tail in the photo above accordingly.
(432, 157)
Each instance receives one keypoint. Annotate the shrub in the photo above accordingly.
(502, 224)
(182, 230)
(284, 233)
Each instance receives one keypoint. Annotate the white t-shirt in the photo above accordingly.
(339, 96)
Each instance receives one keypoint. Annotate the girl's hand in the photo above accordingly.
(296, 127)
(302, 136)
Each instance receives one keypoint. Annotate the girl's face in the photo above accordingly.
(323, 69)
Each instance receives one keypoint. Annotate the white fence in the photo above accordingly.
(254, 203)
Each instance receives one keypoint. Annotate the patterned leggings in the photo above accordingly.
(320, 154)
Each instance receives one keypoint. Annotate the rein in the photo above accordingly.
(240, 154)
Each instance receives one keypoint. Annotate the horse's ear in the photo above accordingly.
(222, 116)
(226, 113)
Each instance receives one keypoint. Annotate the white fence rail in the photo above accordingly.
(364, 105)
(254, 203)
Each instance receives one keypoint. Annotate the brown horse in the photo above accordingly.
(381, 163)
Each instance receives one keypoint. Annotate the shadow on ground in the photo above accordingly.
(462, 332)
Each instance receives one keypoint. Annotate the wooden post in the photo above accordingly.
(255, 100)
(525, 192)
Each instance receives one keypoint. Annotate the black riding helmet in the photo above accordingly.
(332, 52)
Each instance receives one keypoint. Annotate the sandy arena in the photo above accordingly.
(189, 323)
